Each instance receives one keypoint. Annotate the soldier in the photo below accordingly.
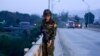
(48, 28)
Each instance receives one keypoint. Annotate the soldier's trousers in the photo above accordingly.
(47, 51)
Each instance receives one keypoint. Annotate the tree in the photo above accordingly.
(17, 22)
(35, 19)
(55, 18)
(11, 45)
(89, 18)
(1, 26)
(77, 19)
(64, 16)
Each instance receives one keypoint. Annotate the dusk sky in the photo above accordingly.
(37, 6)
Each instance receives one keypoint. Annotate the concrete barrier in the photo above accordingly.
(36, 49)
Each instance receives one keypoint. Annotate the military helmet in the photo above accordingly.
(47, 12)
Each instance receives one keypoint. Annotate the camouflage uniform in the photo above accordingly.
(49, 31)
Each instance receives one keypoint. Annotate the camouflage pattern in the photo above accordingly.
(49, 32)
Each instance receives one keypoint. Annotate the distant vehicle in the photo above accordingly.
(70, 24)
(78, 25)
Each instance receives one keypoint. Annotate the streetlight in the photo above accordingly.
(88, 6)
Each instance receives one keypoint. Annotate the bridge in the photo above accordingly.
(71, 42)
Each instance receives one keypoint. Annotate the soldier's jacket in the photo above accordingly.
(48, 29)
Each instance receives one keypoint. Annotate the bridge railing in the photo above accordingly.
(36, 49)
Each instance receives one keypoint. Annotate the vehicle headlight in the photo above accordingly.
(79, 25)
(66, 24)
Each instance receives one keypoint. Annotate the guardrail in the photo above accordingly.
(94, 26)
(36, 49)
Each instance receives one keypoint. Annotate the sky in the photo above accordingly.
(37, 6)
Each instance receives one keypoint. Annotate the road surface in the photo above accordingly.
(77, 42)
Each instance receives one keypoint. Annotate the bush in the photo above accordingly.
(1, 54)
(10, 45)
(14, 46)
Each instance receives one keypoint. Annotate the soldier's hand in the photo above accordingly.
(55, 25)
(49, 43)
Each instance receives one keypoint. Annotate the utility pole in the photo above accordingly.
(88, 8)
(53, 4)
(49, 3)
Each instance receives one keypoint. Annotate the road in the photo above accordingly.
(77, 42)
